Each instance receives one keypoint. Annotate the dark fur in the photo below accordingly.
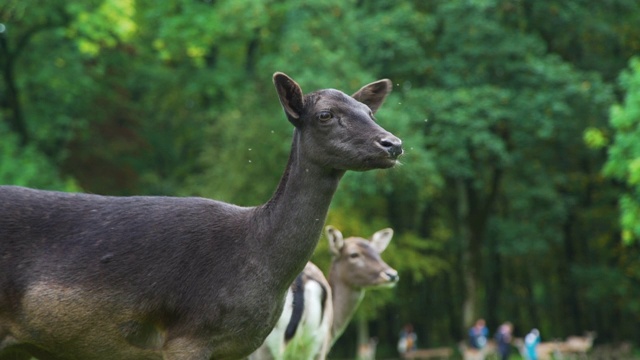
(97, 277)
(297, 288)
(298, 306)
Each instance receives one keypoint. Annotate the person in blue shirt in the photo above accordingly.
(478, 335)
(531, 341)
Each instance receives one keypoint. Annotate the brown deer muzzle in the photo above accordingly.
(391, 277)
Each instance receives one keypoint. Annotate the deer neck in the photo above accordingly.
(292, 220)
(346, 300)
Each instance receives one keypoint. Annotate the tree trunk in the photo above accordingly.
(364, 346)
(12, 101)
(468, 272)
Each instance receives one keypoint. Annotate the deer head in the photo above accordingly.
(339, 130)
(357, 261)
(356, 266)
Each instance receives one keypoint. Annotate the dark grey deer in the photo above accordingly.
(99, 277)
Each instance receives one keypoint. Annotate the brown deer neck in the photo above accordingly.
(346, 300)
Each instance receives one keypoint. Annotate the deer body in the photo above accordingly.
(578, 345)
(99, 277)
(322, 318)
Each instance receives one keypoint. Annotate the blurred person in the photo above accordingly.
(407, 342)
(504, 336)
(478, 335)
(531, 341)
(478, 338)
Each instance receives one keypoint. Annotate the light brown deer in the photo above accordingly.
(577, 345)
(558, 349)
(317, 311)
(150, 278)
(427, 354)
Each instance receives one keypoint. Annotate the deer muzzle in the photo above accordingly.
(392, 145)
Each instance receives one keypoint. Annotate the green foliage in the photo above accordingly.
(104, 25)
(301, 348)
(247, 159)
(595, 138)
(623, 162)
(26, 166)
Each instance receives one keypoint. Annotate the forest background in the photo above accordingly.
(518, 198)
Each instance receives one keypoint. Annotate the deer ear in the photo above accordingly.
(290, 95)
(373, 94)
(336, 241)
(381, 239)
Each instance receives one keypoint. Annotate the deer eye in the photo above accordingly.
(354, 255)
(325, 115)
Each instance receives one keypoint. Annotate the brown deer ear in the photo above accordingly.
(373, 94)
(381, 239)
(290, 95)
(336, 241)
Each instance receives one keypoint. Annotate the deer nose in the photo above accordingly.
(392, 276)
(392, 145)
